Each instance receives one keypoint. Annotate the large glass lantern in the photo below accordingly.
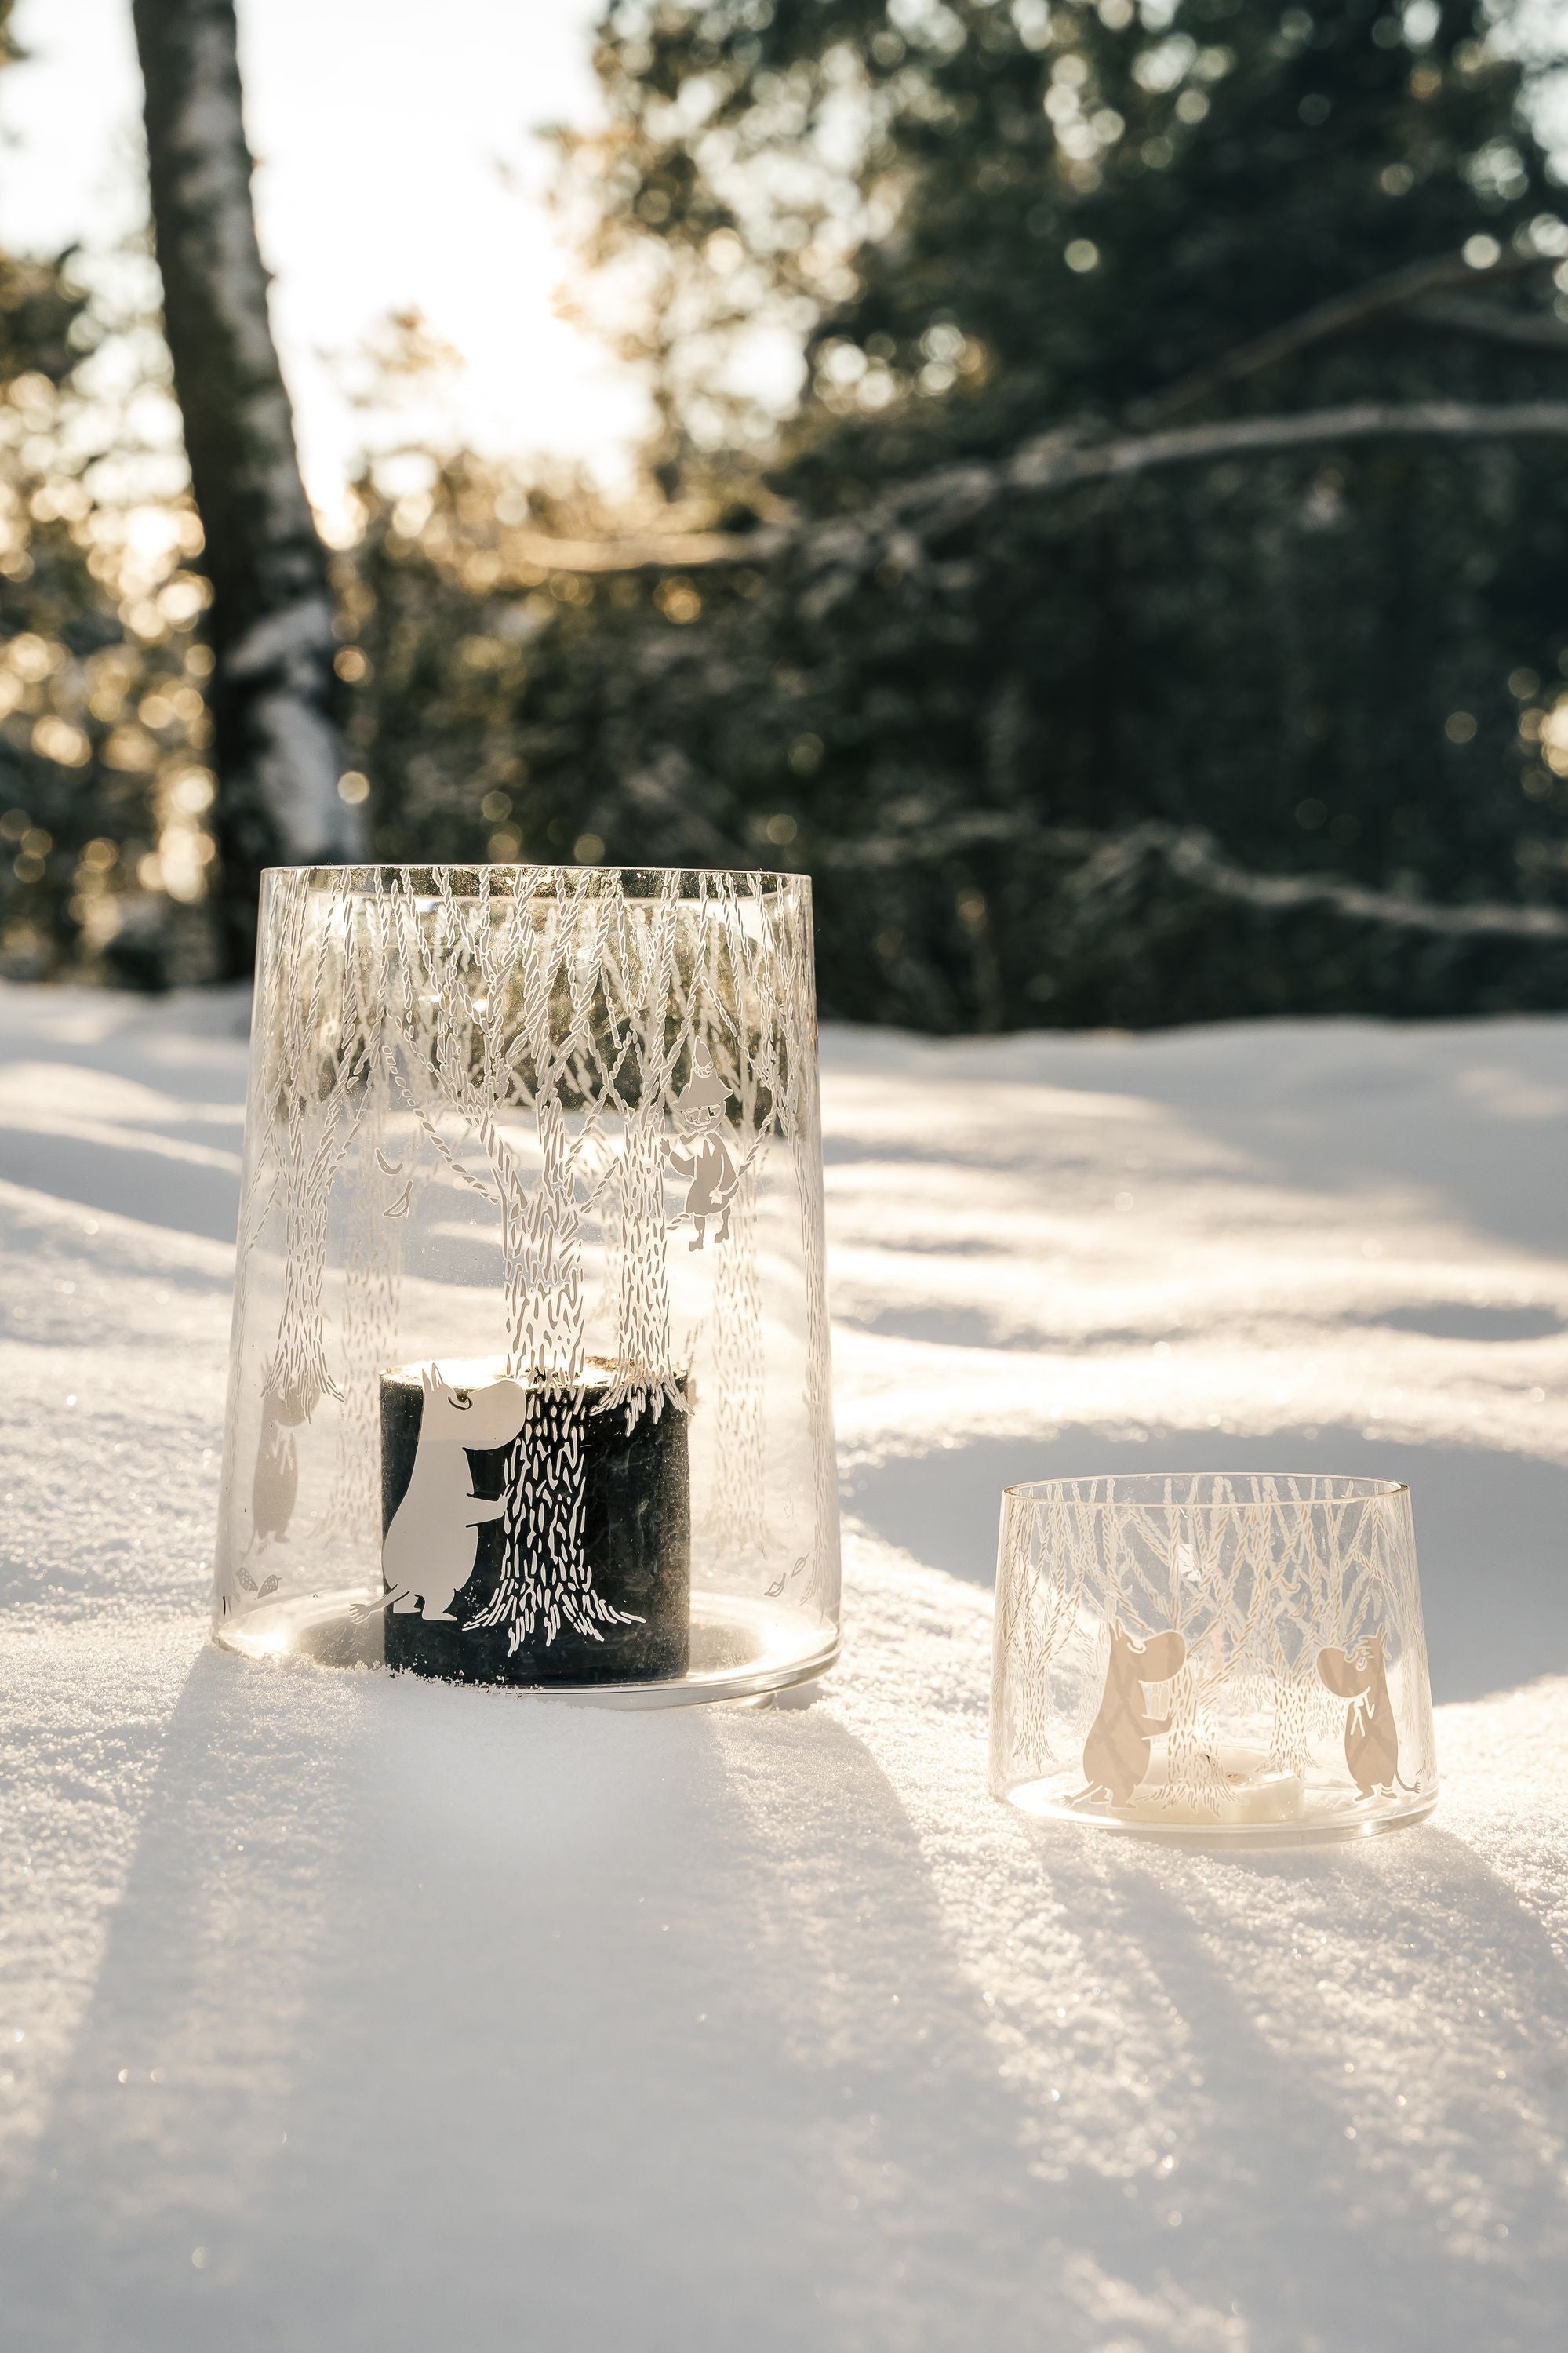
(529, 1376)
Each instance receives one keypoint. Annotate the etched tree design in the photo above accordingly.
(316, 1026)
(380, 1203)
(784, 964)
(527, 1035)
(747, 1050)
(1257, 1575)
(1040, 1589)
(737, 1508)
(320, 1027)
(636, 1066)
(488, 1026)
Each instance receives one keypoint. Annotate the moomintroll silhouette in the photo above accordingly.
(1371, 1737)
(429, 1551)
(1117, 1751)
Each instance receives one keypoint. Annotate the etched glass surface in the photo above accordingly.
(1236, 1654)
(544, 1140)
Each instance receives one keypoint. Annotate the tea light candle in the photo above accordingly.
(450, 1435)
(1255, 1795)
(1254, 1792)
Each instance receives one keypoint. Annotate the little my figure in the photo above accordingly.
(702, 1152)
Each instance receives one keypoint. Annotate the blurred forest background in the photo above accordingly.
(1154, 607)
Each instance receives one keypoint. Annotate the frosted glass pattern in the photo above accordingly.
(1234, 1655)
(529, 1379)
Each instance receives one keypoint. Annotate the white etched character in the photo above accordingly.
(702, 1151)
(429, 1551)
(1371, 1737)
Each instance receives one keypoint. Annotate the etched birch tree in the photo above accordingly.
(639, 983)
(488, 1019)
(745, 1044)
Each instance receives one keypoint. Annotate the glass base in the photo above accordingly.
(1261, 1807)
(739, 1648)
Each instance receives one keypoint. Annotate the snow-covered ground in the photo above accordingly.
(343, 2011)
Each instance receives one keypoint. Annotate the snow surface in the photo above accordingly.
(350, 2013)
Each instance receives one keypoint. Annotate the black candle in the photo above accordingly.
(529, 1534)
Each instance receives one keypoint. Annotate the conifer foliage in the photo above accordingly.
(1029, 720)
(1106, 519)
(104, 786)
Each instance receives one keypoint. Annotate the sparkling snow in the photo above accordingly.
(341, 2012)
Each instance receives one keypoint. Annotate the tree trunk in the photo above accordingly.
(277, 749)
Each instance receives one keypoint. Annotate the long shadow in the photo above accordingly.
(982, 1327)
(1436, 2219)
(1491, 1528)
(432, 2017)
(435, 2017)
(190, 1055)
(1044, 2217)
(190, 1045)
(130, 1178)
(1469, 1115)
(166, 2124)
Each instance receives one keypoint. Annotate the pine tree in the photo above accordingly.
(103, 722)
(988, 224)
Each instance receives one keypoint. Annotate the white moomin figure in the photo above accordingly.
(700, 1151)
(429, 1551)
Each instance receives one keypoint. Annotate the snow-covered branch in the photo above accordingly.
(1191, 854)
(1343, 314)
(898, 526)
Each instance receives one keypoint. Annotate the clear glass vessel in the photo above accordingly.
(529, 1374)
(1219, 1655)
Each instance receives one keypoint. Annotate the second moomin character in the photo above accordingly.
(702, 1150)
(1371, 1737)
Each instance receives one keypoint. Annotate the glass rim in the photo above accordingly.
(324, 878)
(1348, 1486)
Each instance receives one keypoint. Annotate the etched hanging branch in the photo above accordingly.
(641, 977)
(508, 994)
(318, 1093)
(799, 1120)
(382, 1191)
(542, 1037)
(741, 1030)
